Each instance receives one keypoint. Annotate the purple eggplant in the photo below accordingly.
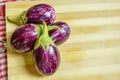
(46, 61)
(36, 14)
(60, 35)
(24, 37)
(46, 55)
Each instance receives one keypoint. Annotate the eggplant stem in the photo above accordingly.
(14, 20)
(18, 20)
(44, 39)
(53, 28)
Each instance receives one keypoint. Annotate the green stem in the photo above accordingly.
(18, 20)
(52, 27)
(14, 20)
(45, 29)
(44, 40)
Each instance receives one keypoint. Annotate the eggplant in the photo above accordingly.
(46, 55)
(46, 61)
(60, 35)
(35, 14)
(24, 37)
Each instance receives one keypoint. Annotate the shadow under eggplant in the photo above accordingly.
(30, 66)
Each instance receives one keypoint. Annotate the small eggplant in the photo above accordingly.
(23, 38)
(46, 55)
(60, 35)
(36, 14)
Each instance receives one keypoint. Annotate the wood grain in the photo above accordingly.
(92, 51)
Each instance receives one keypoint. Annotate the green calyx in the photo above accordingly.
(39, 28)
(43, 40)
(18, 20)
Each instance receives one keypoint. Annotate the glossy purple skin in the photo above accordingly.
(23, 38)
(46, 62)
(61, 35)
(39, 13)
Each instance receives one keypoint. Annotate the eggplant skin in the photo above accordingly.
(23, 38)
(62, 34)
(46, 62)
(39, 13)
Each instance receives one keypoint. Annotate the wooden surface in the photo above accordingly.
(92, 51)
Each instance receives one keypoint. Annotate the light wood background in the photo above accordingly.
(92, 51)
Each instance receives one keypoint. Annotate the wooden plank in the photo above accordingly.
(90, 53)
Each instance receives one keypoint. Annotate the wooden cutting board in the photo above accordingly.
(92, 51)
